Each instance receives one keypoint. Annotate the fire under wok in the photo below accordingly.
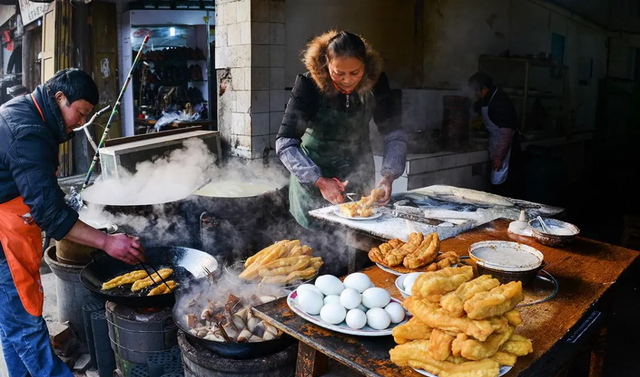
(187, 264)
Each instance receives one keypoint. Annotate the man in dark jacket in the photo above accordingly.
(31, 128)
(501, 121)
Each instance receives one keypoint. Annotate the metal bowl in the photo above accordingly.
(507, 261)
(549, 239)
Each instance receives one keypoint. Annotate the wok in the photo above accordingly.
(186, 263)
(230, 350)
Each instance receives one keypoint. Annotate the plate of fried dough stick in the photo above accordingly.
(364, 209)
(462, 325)
(286, 262)
(419, 254)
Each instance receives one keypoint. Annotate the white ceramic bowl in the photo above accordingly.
(400, 285)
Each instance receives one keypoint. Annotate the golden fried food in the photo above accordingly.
(152, 279)
(453, 302)
(496, 302)
(434, 316)
(456, 359)
(425, 254)
(262, 253)
(301, 263)
(395, 243)
(306, 250)
(288, 261)
(276, 253)
(395, 257)
(517, 345)
(499, 324)
(513, 316)
(350, 209)
(363, 207)
(376, 256)
(442, 281)
(413, 329)
(162, 288)
(474, 350)
(316, 263)
(505, 358)
(296, 252)
(440, 345)
(127, 278)
(456, 345)
(415, 354)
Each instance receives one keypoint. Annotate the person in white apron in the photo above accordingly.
(501, 121)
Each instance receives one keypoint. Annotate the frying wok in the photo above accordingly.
(186, 263)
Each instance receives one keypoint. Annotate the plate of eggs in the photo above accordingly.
(354, 307)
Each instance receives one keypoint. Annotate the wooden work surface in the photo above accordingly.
(584, 269)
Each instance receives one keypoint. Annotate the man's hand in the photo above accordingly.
(124, 248)
(497, 164)
(331, 189)
(385, 183)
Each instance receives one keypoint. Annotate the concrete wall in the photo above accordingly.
(387, 25)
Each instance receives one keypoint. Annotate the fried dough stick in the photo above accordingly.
(517, 345)
(416, 355)
(434, 316)
(440, 345)
(128, 278)
(513, 316)
(425, 254)
(413, 329)
(260, 254)
(441, 282)
(396, 257)
(162, 288)
(475, 350)
(497, 301)
(453, 302)
(281, 249)
(151, 279)
(505, 358)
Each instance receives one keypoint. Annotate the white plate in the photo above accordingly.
(357, 218)
(503, 370)
(342, 327)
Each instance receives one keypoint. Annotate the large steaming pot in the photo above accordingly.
(229, 226)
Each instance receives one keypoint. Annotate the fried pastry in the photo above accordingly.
(496, 302)
(441, 282)
(395, 257)
(474, 350)
(151, 279)
(505, 358)
(453, 302)
(440, 345)
(517, 345)
(434, 316)
(127, 278)
(299, 264)
(513, 316)
(425, 254)
(413, 329)
(162, 288)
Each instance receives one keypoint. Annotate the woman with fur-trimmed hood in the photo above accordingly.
(324, 136)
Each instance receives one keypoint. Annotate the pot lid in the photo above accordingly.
(506, 256)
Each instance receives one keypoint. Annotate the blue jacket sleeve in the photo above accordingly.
(33, 166)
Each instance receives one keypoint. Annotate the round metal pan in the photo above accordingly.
(186, 263)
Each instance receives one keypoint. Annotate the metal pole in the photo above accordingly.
(96, 156)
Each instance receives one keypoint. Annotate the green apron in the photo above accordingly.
(338, 142)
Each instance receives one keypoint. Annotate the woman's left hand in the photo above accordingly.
(385, 183)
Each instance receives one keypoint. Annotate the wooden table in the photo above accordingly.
(585, 269)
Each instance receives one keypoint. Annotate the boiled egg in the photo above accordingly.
(310, 302)
(350, 298)
(311, 287)
(375, 298)
(356, 319)
(410, 280)
(333, 313)
(329, 285)
(395, 311)
(358, 281)
(378, 318)
(331, 298)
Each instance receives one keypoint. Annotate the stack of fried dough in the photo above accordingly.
(420, 253)
(140, 279)
(461, 326)
(282, 263)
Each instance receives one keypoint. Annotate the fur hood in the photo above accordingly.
(314, 59)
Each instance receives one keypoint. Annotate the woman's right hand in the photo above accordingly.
(331, 189)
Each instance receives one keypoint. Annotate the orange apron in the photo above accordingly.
(21, 240)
